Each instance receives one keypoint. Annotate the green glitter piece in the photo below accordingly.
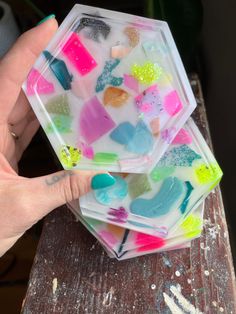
(58, 105)
(105, 157)
(192, 226)
(60, 123)
(139, 185)
(69, 156)
(147, 73)
(181, 156)
(208, 174)
(160, 173)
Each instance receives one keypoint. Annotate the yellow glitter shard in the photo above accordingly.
(115, 96)
(147, 73)
(69, 156)
(192, 226)
(206, 174)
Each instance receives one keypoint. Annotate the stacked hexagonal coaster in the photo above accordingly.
(111, 93)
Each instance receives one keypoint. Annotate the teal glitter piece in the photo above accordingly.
(117, 191)
(106, 77)
(181, 156)
(184, 204)
(171, 190)
(60, 70)
(60, 123)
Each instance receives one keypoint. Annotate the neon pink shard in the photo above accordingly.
(148, 242)
(183, 137)
(172, 103)
(87, 150)
(94, 121)
(131, 82)
(36, 83)
(78, 55)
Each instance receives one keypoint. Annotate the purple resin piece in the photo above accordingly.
(120, 215)
(94, 121)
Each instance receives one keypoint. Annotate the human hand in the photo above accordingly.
(24, 201)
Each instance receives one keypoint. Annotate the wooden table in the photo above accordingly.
(72, 274)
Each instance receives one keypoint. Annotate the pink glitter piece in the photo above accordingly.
(37, 83)
(149, 102)
(87, 151)
(108, 237)
(148, 242)
(78, 55)
(172, 103)
(146, 107)
(94, 121)
(131, 82)
(183, 137)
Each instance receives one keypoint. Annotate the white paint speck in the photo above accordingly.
(177, 273)
(54, 285)
(189, 281)
(206, 272)
(214, 303)
(153, 286)
(221, 309)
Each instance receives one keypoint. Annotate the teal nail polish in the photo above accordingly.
(102, 180)
(51, 16)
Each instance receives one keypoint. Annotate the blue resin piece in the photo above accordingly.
(170, 191)
(184, 204)
(142, 141)
(123, 133)
(60, 70)
(106, 77)
(118, 191)
(181, 156)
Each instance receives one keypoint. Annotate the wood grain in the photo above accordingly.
(72, 273)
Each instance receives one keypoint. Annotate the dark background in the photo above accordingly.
(205, 33)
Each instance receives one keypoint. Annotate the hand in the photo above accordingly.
(24, 201)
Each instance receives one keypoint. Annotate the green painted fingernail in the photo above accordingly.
(51, 16)
(102, 180)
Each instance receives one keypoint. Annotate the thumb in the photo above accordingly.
(43, 194)
(16, 64)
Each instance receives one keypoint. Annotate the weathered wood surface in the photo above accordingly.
(72, 273)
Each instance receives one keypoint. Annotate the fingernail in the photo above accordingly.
(102, 180)
(51, 16)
